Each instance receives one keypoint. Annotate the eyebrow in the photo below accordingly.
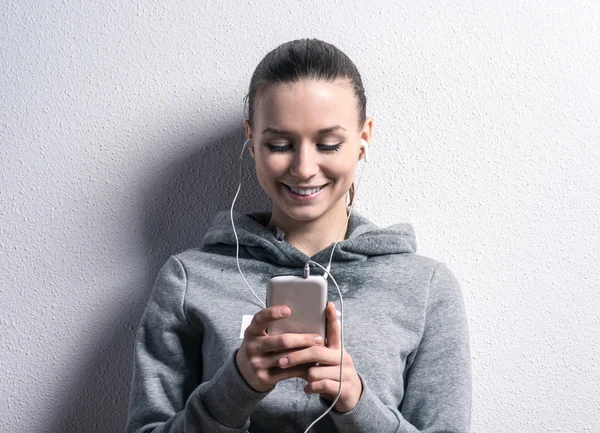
(321, 131)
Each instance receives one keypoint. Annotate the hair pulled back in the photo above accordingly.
(305, 59)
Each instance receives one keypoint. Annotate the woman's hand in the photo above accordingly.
(324, 378)
(259, 352)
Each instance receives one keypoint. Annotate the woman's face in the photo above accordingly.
(305, 135)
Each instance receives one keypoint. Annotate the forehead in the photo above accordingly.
(307, 106)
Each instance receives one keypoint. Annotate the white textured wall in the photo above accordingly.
(116, 122)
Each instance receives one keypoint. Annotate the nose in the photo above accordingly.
(304, 163)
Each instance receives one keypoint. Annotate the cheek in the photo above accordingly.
(268, 169)
(342, 170)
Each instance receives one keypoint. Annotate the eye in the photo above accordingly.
(276, 148)
(322, 147)
(330, 148)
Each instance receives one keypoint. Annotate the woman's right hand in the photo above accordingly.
(259, 352)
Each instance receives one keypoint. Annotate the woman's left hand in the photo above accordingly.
(324, 379)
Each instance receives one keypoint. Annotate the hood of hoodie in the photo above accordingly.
(363, 240)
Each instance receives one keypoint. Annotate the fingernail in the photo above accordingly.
(283, 362)
(285, 311)
(318, 340)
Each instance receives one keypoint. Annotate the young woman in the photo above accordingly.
(406, 359)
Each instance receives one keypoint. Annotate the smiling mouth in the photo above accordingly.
(304, 191)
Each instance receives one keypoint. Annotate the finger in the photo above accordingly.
(275, 343)
(334, 340)
(319, 354)
(258, 325)
(264, 361)
(277, 374)
(269, 360)
(332, 372)
(327, 386)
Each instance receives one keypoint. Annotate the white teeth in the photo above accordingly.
(305, 191)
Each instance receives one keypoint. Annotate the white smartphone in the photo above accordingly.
(306, 297)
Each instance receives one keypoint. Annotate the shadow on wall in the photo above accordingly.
(175, 210)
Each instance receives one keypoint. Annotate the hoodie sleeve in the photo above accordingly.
(166, 395)
(438, 389)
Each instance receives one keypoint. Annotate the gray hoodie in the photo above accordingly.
(405, 328)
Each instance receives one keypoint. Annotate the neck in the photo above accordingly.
(312, 236)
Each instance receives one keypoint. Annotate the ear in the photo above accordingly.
(367, 134)
(249, 137)
(364, 149)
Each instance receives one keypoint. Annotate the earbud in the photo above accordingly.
(364, 145)
(247, 144)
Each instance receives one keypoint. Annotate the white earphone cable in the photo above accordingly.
(341, 349)
(347, 219)
(326, 275)
(237, 242)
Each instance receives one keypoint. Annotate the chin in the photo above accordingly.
(305, 214)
